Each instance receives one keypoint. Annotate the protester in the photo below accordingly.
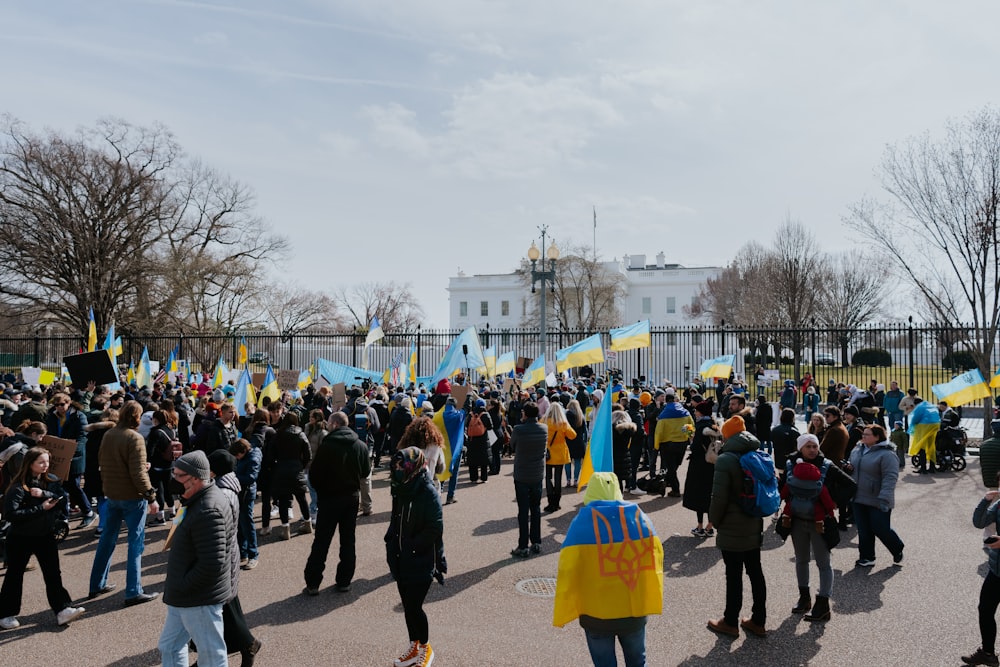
(875, 469)
(68, 422)
(700, 472)
(674, 428)
(529, 440)
(986, 516)
(288, 452)
(557, 453)
(577, 445)
(247, 470)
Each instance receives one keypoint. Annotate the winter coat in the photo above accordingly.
(72, 428)
(700, 473)
(557, 439)
(736, 530)
(529, 440)
(247, 472)
(26, 515)
(784, 437)
(158, 451)
(399, 419)
(478, 446)
(989, 461)
(621, 442)
(788, 397)
(414, 547)
(810, 403)
(289, 455)
(764, 417)
(578, 445)
(198, 565)
(834, 442)
(670, 424)
(876, 470)
(123, 465)
(230, 487)
(341, 464)
(986, 514)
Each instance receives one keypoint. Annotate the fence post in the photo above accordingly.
(37, 346)
(416, 368)
(813, 336)
(180, 347)
(291, 350)
(912, 378)
(354, 349)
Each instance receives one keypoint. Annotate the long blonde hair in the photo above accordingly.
(556, 416)
(575, 409)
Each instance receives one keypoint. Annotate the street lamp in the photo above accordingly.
(552, 254)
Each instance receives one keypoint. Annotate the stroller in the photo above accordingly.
(950, 445)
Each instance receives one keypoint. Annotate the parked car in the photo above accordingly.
(258, 358)
(825, 359)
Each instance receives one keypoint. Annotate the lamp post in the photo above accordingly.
(552, 254)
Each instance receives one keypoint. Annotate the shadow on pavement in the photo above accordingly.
(683, 558)
(147, 659)
(859, 590)
(782, 646)
(495, 526)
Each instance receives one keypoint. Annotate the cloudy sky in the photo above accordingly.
(404, 140)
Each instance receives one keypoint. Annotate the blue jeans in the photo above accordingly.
(204, 626)
(602, 648)
(452, 483)
(246, 533)
(871, 522)
(133, 513)
(573, 466)
(313, 500)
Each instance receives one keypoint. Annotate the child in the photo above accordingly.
(901, 439)
(805, 492)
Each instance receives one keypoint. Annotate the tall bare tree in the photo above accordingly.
(586, 294)
(940, 224)
(292, 309)
(393, 303)
(851, 293)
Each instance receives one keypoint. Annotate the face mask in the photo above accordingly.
(175, 487)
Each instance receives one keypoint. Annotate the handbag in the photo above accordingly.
(714, 447)
(548, 450)
(831, 533)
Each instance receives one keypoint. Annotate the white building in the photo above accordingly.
(657, 292)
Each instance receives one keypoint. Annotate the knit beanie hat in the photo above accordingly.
(733, 426)
(195, 464)
(807, 472)
(221, 462)
(805, 439)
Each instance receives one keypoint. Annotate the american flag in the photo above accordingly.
(394, 368)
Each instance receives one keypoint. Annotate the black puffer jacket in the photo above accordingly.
(341, 464)
(289, 454)
(198, 568)
(413, 545)
(26, 515)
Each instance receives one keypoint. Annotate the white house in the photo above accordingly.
(657, 292)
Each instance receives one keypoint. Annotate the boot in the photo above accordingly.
(551, 507)
(805, 601)
(820, 610)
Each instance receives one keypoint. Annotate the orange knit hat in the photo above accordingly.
(733, 426)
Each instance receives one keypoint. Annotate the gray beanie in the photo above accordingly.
(218, 396)
(195, 464)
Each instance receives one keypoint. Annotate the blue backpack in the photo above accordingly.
(759, 495)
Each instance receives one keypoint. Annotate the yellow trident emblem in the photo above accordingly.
(628, 558)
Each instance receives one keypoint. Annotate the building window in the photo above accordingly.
(671, 305)
(505, 308)
(463, 308)
(671, 338)
(647, 305)
(696, 338)
(484, 308)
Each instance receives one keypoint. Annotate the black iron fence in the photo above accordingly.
(917, 355)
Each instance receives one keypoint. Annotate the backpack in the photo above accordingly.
(476, 426)
(802, 494)
(759, 495)
(176, 450)
(361, 426)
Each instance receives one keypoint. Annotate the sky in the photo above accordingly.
(406, 141)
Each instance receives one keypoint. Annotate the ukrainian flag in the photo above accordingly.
(130, 375)
(455, 358)
(535, 373)
(925, 422)
(241, 352)
(244, 393)
(219, 378)
(963, 389)
(109, 344)
(630, 337)
(91, 333)
(600, 451)
(490, 358)
(270, 387)
(451, 422)
(506, 362)
(720, 367)
(610, 565)
(413, 362)
(587, 351)
(144, 373)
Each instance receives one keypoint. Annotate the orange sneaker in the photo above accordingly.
(410, 657)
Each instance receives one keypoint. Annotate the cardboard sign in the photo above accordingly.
(524, 362)
(321, 382)
(288, 379)
(89, 366)
(257, 379)
(31, 375)
(511, 387)
(61, 453)
(338, 393)
(460, 391)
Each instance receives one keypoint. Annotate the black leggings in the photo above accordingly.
(413, 593)
(235, 631)
(989, 600)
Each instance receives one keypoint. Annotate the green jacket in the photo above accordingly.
(989, 461)
(737, 530)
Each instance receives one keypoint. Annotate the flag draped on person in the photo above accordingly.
(718, 367)
(587, 351)
(535, 373)
(464, 352)
(270, 388)
(506, 362)
(631, 337)
(450, 421)
(91, 333)
(925, 422)
(962, 389)
(599, 456)
(245, 393)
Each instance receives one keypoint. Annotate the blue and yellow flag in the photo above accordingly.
(600, 451)
(631, 337)
(451, 422)
(962, 389)
(269, 388)
(610, 565)
(109, 344)
(91, 333)
(219, 378)
(130, 375)
(144, 372)
(413, 363)
(535, 373)
(489, 366)
(719, 367)
(506, 363)
(245, 393)
(464, 352)
(241, 352)
(925, 422)
(587, 351)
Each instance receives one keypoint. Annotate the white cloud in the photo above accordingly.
(213, 38)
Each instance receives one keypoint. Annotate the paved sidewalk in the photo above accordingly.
(921, 614)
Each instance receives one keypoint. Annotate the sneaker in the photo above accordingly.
(408, 658)
(68, 614)
(11, 622)
(88, 520)
(864, 562)
(710, 532)
(266, 530)
(536, 549)
(250, 564)
(520, 553)
(291, 513)
(285, 531)
(450, 501)
(637, 492)
(425, 656)
(897, 560)
(342, 588)
(698, 532)
(310, 591)
(980, 657)
(274, 512)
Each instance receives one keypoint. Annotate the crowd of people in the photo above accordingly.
(184, 454)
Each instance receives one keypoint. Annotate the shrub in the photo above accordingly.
(961, 360)
(872, 356)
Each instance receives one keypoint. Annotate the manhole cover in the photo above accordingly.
(539, 587)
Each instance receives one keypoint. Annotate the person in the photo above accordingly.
(674, 428)
(422, 433)
(739, 536)
(764, 414)
(160, 455)
(925, 423)
(199, 576)
(817, 426)
(288, 452)
(34, 504)
(700, 473)
(528, 439)
(810, 403)
(399, 419)
(609, 606)
(452, 422)
(785, 437)
(890, 404)
(835, 437)
(315, 431)
(875, 469)
(247, 470)
(559, 432)
(236, 632)
(989, 456)
(985, 516)
(499, 429)
(218, 433)
(414, 548)
(805, 523)
(129, 495)
(68, 422)
(577, 445)
(622, 435)
(901, 441)
(338, 472)
(477, 442)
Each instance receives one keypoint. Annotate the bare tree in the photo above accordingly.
(851, 294)
(292, 309)
(940, 224)
(393, 303)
